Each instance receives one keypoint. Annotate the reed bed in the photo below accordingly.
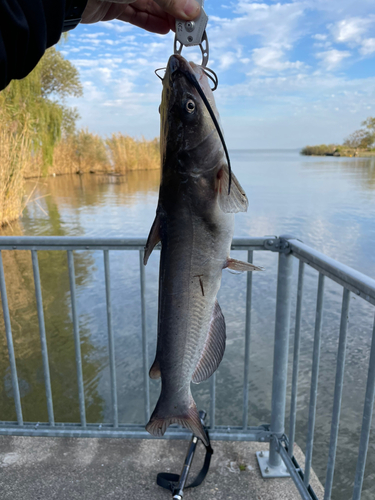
(14, 158)
(128, 154)
(81, 153)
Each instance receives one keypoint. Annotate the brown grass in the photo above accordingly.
(14, 157)
(82, 153)
(128, 154)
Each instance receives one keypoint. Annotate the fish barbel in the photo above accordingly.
(194, 222)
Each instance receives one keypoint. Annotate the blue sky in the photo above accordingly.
(290, 73)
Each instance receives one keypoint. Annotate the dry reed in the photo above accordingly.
(128, 154)
(81, 153)
(14, 157)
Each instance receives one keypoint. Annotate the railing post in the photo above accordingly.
(274, 466)
(281, 348)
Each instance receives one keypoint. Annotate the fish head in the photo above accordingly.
(188, 135)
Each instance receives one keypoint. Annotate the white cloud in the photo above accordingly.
(92, 93)
(117, 26)
(227, 59)
(270, 59)
(320, 37)
(368, 46)
(332, 58)
(272, 24)
(94, 35)
(351, 30)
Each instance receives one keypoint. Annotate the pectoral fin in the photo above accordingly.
(234, 202)
(214, 348)
(153, 238)
(239, 265)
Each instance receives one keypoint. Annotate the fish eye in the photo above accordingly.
(190, 106)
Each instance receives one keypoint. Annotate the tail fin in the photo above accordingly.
(188, 417)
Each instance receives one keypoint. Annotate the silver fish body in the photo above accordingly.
(194, 222)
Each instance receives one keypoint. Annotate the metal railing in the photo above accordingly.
(280, 459)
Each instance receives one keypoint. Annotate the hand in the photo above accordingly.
(157, 16)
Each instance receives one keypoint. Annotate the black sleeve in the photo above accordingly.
(27, 29)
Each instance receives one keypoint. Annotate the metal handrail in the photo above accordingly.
(281, 449)
(353, 280)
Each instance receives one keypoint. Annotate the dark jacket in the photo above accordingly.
(27, 29)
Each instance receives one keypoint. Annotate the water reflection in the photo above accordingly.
(360, 170)
(327, 202)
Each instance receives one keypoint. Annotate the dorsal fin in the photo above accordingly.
(234, 202)
(214, 347)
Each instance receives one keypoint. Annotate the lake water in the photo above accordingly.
(329, 203)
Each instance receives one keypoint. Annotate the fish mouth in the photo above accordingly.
(178, 65)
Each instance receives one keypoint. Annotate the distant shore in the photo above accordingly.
(334, 150)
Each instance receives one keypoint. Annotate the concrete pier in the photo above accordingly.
(33, 468)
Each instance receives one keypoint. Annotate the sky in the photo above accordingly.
(291, 73)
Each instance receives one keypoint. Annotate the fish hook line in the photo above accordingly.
(194, 81)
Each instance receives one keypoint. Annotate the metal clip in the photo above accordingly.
(190, 33)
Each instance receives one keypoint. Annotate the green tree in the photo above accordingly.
(39, 99)
(363, 138)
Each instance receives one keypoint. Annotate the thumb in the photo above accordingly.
(180, 9)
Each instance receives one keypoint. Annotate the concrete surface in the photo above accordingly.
(34, 468)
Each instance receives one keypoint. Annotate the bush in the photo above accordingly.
(321, 150)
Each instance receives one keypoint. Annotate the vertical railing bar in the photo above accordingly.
(144, 337)
(77, 340)
(337, 394)
(314, 379)
(42, 333)
(366, 423)
(280, 354)
(297, 337)
(111, 343)
(213, 401)
(245, 418)
(8, 333)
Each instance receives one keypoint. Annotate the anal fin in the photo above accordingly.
(214, 347)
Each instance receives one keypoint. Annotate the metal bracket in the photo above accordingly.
(265, 468)
(190, 33)
(278, 244)
(268, 470)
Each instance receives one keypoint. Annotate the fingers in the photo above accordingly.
(146, 21)
(180, 9)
